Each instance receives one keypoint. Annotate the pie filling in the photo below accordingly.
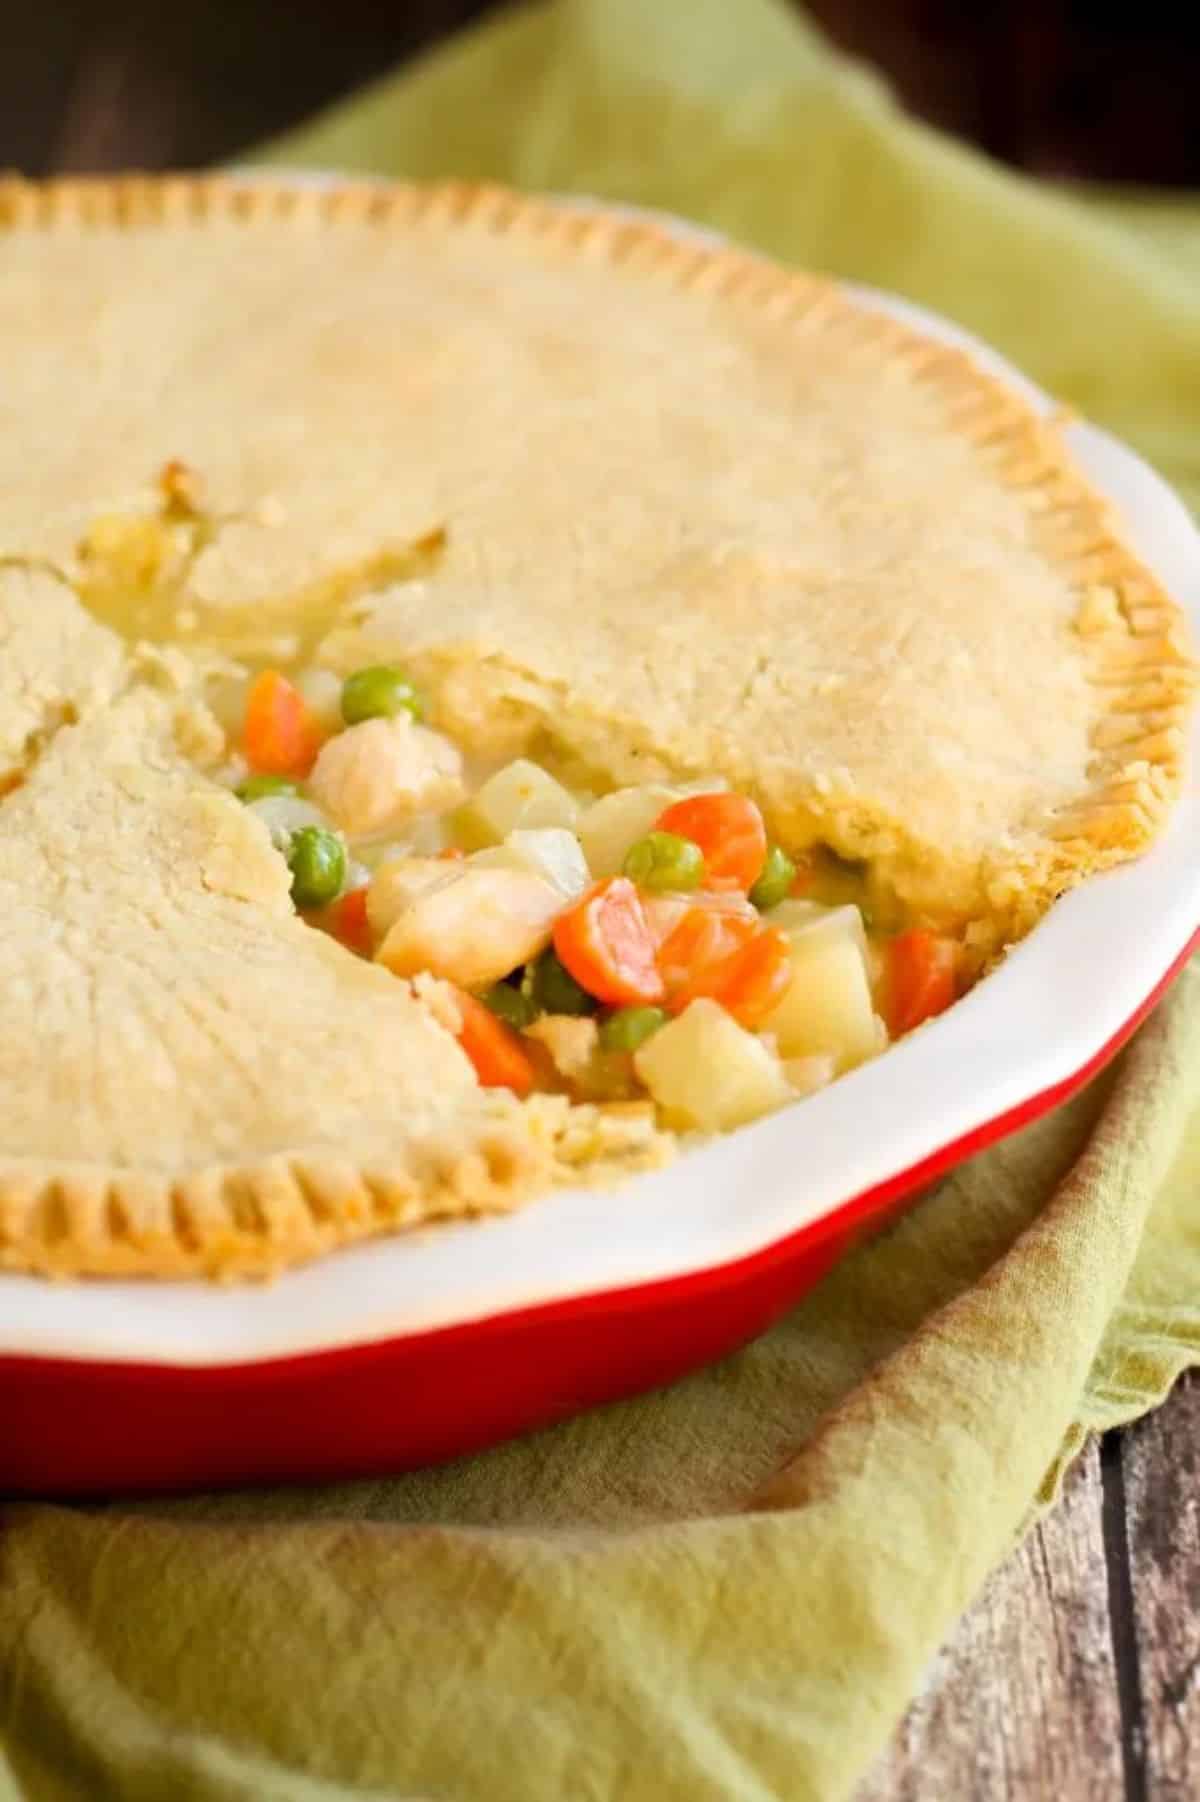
(648, 942)
(641, 943)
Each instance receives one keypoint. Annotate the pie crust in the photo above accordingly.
(700, 514)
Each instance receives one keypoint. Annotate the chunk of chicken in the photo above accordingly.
(571, 1040)
(397, 883)
(474, 928)
(381, 772)
(548, 851)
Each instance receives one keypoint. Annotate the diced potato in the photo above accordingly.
(808, 1074)
(819, 923)
(796, 912)
(397, 883)
(706, 1071)
(609, 826)
(323, 692)
(548, 851)
(827, 1009)
(519, 796)
(383, 771)
(474, 928)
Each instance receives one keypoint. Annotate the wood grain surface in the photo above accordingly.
(1076, 1677)
(1156, 1486)
(1024, 1701)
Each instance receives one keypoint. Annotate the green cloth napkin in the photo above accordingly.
(725, 1592)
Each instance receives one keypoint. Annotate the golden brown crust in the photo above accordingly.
(213, 1216)
(1138, 656)
(256, 1219)
(192, 1080)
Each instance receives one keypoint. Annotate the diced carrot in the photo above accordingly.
(500, 1059)
(606, 944)
(701, 941)
(450, 854)
(348, 920)
(664, 912)
(281, 735)
(920, 978)
(729, 829)
(749, 982)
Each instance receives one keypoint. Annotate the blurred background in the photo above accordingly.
(1102, 88)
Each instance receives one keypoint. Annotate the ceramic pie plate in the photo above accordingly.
(417, 1348)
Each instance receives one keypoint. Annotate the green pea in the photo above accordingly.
(774, 879)
(317, 860)
(511, 1005)
(555, 991)
(257, 788)
(379, 693)
(630, 1027)
(663, 860)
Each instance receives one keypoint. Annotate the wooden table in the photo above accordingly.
(1077, 1674)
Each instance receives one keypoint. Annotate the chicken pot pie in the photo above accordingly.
(488, 690)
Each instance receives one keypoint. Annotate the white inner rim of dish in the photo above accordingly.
(1054, 1004)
